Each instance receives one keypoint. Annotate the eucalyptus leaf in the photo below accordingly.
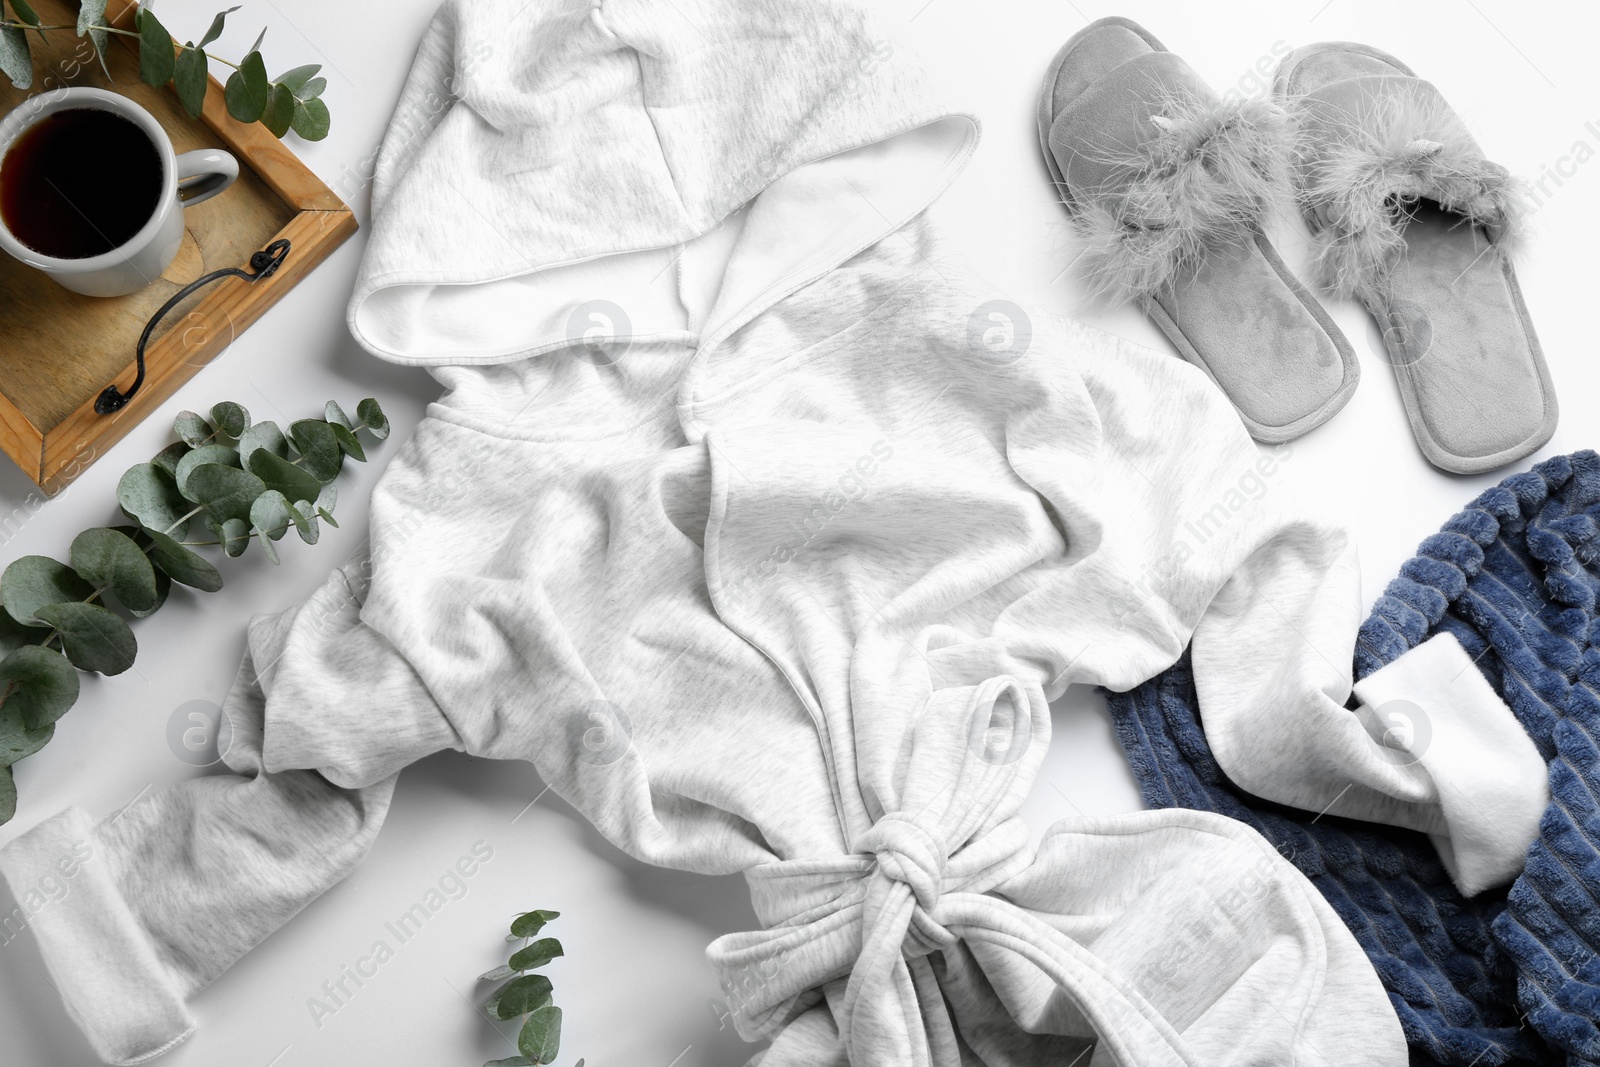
(16, 59)
(319, 450)
(537, 954)
(312, 89)
(373, 418)
(92, 21)
(8, 802)
(231, 420)
(520, 996)
(269, 548)
(106, 558)
(182, 564)
(223, 454)
(17, 741)
(234, 535)
(167, 459)
(225, 492)
(279, 113)
(90, 13)
(262, 36)
(530, 923)
(25, 12)
(14, 634)
(311, 119)
(334, 415)
(510, 1061)
(347, 442)
(38, 684)
(270, 514)
(94, 638)
(305, 521)
(31, 583)
(149, 495)
(247, 89)
(164, 584)
(189, 80)
(540, 1039)
(216, 26)
(192, 429)
(163, 587)
(294, 79)
(157, 58)
(499, 974)
(262, 435)
(278, 473)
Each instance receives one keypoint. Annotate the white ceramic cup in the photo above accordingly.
(185, 180)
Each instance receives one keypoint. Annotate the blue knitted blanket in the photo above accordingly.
(1508, 976)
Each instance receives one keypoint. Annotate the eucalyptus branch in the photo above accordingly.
(529, 995)
(179, 521)
(242, 482)
(291, 101)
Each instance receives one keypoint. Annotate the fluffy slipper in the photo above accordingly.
(1167, 186)
(1410, 218)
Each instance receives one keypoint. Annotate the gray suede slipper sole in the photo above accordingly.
(1168, 186)
(1410, 218)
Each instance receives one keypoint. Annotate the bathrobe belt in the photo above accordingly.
(953, 866)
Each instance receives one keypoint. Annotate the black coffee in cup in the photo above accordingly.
(79, 182)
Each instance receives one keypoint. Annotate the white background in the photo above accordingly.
(635, 986)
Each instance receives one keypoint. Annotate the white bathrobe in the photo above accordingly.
(767, 532)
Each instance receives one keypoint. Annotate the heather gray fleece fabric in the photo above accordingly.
(778, 575)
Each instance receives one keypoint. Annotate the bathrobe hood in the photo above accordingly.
(560, 167)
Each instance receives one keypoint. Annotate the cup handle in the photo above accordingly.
(204, 173)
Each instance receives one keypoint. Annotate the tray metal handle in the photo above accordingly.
(263, 264)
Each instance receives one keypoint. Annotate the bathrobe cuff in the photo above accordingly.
(1433, 706)
(99, 957)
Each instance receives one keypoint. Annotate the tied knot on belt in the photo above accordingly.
(874, 916)
(907, 852)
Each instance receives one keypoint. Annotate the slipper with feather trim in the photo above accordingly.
(1168, 186)
(1409, 217)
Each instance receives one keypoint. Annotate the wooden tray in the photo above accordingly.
(58, 350)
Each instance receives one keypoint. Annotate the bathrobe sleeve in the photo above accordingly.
(167, 893)
(1195, 536)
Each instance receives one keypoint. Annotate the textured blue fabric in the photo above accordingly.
(1505, 977)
